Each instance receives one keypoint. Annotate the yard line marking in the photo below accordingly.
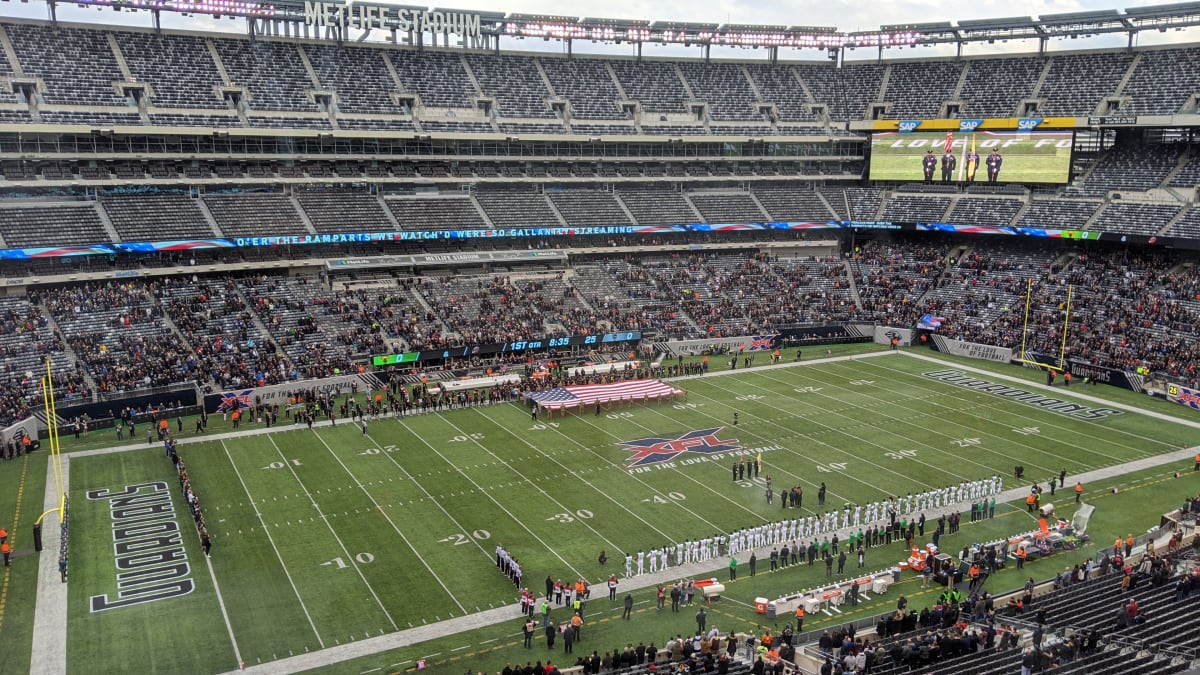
(1000, 437)
(515, 519)
(744, 430)
(373, 670)
(678, 471)
(237, 653)
(388, 518)
(457, 649)
(273, 546)
(341, 544)
(1012, 411)
(935, 468)
(567, 469)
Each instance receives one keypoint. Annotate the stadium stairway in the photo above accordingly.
(68, 350)
(308, 225)
(852, 283)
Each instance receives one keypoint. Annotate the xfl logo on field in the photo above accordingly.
(648, 451)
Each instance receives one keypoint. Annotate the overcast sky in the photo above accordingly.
(846, 15)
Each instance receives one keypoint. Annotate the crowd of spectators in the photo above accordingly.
(1128, 310)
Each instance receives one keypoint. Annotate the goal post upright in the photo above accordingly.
(1025, 323)
(1062, 354)
(55, 450)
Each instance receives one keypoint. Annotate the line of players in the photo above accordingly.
(929, 164)
(509, 566)
(773, 534)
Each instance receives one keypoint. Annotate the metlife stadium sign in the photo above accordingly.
(369, 16)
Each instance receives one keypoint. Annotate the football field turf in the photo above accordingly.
(331, 536)
(1024, 162)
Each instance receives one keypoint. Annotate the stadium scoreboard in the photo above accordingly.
(526, 344)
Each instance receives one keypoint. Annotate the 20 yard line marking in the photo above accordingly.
(516, 520)
(273, 546)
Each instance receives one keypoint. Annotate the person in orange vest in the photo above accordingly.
(1078, 491)
(1066, 378)
(1197, 467)
(7, 551)
(1029, 502)
(800, 619)
(1021, 554)
(1050, 375)
(1128, 545)
(895, 344)
(3, 536)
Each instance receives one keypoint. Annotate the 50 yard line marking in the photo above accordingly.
(270, 539)
(12, 536)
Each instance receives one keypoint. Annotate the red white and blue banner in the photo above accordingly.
(562, 398)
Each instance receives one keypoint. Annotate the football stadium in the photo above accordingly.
(490, 342)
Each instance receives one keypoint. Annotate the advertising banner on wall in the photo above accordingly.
(971, 350)
(19, 430)
(279, 394)
(1082, 369)
(745, 343)
(1182, 395)
(885, 334)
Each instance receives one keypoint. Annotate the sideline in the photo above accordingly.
(49, 652)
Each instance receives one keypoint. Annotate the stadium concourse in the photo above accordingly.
(50, 626)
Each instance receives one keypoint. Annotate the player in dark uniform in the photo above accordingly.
(929, 164)
(994, 161)
(949, 164)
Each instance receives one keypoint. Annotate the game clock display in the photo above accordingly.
(503, 347)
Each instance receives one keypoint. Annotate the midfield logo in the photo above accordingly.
(648, 451)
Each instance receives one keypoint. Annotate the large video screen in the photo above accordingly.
(972, 157)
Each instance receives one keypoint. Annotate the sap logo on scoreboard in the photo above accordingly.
(969, 125)
(907, 126)
(1028, 123)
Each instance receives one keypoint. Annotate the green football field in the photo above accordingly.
(330, 536)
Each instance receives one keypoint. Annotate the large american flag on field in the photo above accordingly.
(587, 394)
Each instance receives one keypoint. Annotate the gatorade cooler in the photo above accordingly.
(760, 605)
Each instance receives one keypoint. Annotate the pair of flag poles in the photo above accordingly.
(968, 165)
